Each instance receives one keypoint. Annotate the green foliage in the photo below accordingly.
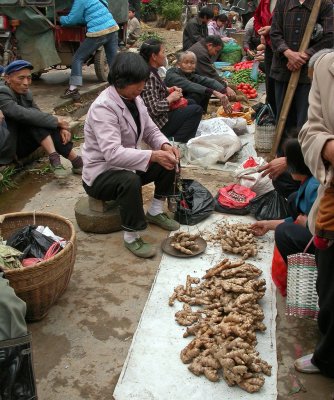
(7, 182)
(160, 4)
(148, 9)
(172, 11)
(44, 170)
(150, 35)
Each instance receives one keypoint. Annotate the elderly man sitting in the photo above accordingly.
(28, 127)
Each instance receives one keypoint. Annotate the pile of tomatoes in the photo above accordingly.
(243, 65)
(247, 90)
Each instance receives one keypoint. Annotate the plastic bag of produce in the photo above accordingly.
(196, 203)
(270, 205)
(247, 175)
(30, 242)
(215, 142)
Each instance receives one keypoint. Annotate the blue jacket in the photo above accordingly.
(306, 195)
(92, 13)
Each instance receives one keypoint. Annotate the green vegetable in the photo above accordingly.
(243, 76)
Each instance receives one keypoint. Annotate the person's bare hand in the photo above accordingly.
(295, 59)
(65, 136)
(166, 158)
(251, 53)
(225, 103)
(328, 151)
(260, 228)
(259, 56)
(291, 67)
(62, 123)
(171, 149)
(2, 117)
(174, 96)
(301, 220)
(230, 92)
(264, 30)
(177, 89)
(274, 168)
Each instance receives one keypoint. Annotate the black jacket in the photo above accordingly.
(193, 32)
(20, 110)
(204, 65)
(191, 83)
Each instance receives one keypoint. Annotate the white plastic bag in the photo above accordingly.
(215, 142)
(252, 179)
(239, 125)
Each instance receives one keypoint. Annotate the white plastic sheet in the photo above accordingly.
(153, 369)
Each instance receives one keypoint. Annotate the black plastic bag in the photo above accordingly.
(270, 205)
(229, 210)
(196, 203)
(30, 242)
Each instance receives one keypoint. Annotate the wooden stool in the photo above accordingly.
(97, 216)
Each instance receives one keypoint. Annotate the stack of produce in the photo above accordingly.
(243, 65)
(248, 90)
(236, 239)
(224, 324)
(244, 76)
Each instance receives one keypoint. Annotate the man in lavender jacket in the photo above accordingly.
(115, 168)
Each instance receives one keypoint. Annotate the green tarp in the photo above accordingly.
(35, 36)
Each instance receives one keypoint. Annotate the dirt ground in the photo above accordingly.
(172, 37)
(81, 345)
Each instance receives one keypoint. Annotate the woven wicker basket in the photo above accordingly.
(264, 137)
(42, 284)
(302, 297)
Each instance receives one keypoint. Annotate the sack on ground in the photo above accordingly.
(270, 205)
(196, 203)
(229, 210)
(235, 197)
(231, 52)
(247, 175)
(238, 124)
(215, 142)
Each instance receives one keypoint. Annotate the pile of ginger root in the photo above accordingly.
(223, 324)
(184, 242)
(236, 239)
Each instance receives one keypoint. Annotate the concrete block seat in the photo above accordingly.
(97, 216)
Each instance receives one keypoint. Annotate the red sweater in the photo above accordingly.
(263, 17)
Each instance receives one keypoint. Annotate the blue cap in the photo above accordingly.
(17, 65)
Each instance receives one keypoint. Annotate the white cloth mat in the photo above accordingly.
(153, 369)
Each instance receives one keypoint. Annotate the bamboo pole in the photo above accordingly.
(294, 78)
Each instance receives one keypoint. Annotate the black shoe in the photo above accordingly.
(71, 94)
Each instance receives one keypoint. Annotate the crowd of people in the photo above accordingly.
(141, 106)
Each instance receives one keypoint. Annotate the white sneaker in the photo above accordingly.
(304, 364)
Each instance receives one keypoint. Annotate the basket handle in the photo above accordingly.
(265, 108)
(308, 244)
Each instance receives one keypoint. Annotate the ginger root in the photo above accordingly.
(184, 242)
(224, 323)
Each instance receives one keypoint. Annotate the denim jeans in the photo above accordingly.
(87, 48)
